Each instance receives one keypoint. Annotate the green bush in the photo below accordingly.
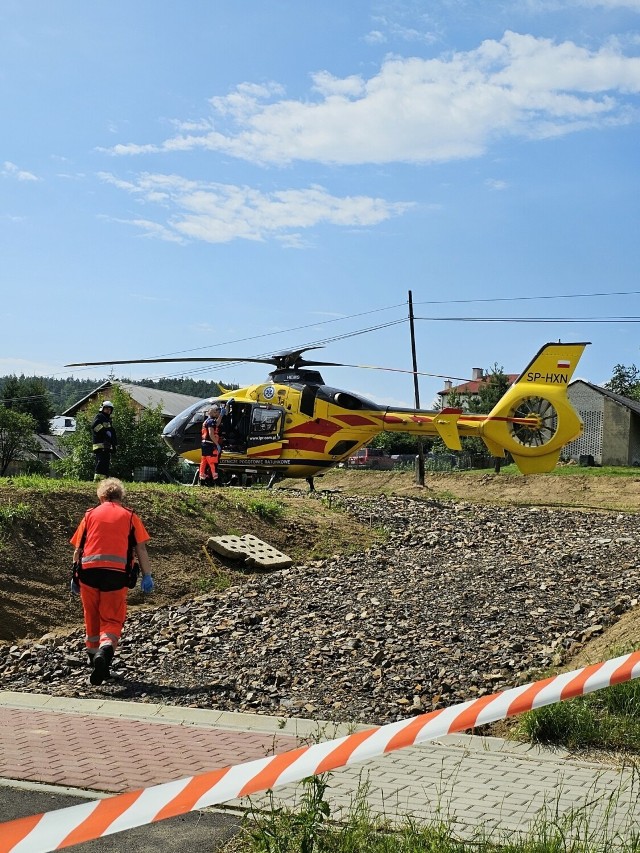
(139, 441)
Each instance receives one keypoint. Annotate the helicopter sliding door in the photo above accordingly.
(254, 429)
(265, 432)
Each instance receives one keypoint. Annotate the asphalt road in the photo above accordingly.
(195, 832)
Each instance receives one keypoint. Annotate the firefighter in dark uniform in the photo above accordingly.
(104, 440)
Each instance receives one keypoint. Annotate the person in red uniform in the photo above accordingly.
(210, 446)
(102, 544)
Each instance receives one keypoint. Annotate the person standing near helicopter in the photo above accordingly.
(104, 439)
(210, 446)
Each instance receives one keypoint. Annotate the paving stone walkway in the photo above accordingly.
(475, 783)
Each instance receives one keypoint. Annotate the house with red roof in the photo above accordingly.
(469, 389)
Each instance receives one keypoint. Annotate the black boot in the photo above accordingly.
(91, 653)
(101, 661)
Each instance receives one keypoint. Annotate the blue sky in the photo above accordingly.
(213, 178)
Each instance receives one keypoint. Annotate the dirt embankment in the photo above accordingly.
(35, 554)
(610, 493)
(36, 525)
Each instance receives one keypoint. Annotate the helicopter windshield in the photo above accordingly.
(198, 413)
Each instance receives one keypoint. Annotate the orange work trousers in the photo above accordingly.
(104, 615)
(209, 464)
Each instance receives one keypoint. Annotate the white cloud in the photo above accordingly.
(10, 170)
(496, 184)
(610, 4)
(375, 37)
(219, 213)
(422, 110)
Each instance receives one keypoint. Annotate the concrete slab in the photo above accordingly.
(251, 550)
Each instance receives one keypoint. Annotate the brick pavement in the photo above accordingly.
(113, 754)
(484, 784)
(472, 782)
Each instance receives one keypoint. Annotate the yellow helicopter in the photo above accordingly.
(294, 425)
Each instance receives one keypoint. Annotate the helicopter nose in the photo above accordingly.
(175, 437)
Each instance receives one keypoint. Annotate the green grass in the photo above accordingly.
(217, 582)
(308, 829)
(267, 509)
(189, 505)
(11, 513)
(608, 719)
(562, 471)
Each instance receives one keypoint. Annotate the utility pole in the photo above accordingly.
(420, 471)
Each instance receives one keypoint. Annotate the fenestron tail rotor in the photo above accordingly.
(544, 414)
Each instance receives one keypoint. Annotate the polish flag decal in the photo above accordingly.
(564, 363)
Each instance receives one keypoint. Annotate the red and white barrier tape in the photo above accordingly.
(65, 827)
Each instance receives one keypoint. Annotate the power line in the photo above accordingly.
(531, 319)
(19, 399)
(529, 298)
(287, 331)
(401, 305)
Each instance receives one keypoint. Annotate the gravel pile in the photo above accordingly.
(461, 601)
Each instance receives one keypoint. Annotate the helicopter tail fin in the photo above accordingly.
(534, 419)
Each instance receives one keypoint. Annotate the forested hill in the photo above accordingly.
(65, 392)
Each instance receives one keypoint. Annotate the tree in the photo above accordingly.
(30, 396)
(16, 436)
(625, 381)
(399, 442)
(139, 440)
(492, 388)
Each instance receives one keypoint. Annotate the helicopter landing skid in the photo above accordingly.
(273, 479)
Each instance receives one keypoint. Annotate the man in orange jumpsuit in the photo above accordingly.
(104, 541)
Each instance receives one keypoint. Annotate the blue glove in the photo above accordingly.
(75, 589)
(147, 584)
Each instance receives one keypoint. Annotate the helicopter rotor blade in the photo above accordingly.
(401, 370)
(165, 361)
(285, 360)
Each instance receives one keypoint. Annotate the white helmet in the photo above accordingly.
(107, 403)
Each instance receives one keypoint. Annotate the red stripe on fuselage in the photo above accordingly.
(316, 445)
(356, 420)
(317, 427)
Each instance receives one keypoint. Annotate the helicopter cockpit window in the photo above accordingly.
(266, 422)
(345, 400)
(198, 414)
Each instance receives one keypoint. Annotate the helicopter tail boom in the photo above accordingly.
(534, 420)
